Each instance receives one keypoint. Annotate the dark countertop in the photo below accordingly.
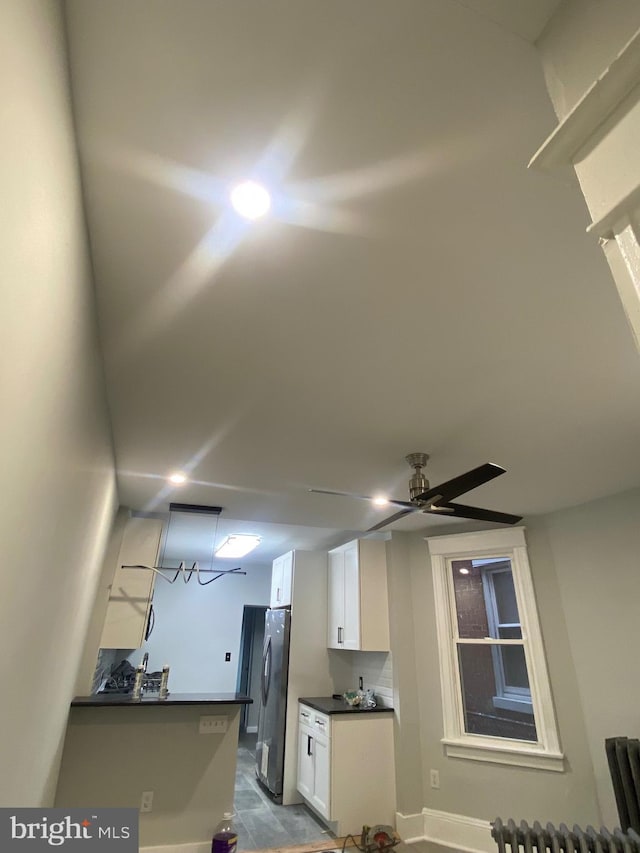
(328, 705)
(125, 699)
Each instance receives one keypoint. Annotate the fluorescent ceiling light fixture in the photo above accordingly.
(178, 478)
(250, 200)
(237, 545)
(380, 501)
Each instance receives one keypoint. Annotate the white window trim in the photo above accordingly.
(545, 753)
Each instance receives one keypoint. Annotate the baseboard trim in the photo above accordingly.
(447, 829)
(410, 827)
(453, 830)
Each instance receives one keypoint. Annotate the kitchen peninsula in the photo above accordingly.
(117, 747)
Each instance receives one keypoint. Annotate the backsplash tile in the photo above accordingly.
(374, 667)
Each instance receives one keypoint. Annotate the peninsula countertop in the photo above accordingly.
(329, 705)
(110, 700)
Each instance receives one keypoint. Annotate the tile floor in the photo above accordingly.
(261, 823)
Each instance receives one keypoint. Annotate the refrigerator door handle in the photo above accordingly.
(266, 671)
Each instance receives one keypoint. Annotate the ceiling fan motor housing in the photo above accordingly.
(418, 483)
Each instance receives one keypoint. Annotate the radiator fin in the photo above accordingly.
(522, 838)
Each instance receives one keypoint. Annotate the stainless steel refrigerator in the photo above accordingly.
(273, 702)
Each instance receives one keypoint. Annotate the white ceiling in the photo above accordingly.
(416, 288)
(525, 18)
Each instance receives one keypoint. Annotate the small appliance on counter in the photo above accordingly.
(360, 698)
(124, 676)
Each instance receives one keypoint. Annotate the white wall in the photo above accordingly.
(594, 551)
(55, 445)
(196, 625)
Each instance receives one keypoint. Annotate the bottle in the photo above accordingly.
(137, 684)
(225, 838)
(164, 682)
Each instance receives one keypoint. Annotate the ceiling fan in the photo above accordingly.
(437, 500)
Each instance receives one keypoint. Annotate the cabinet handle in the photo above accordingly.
(340, 640)
(277, 593)
(309, 745)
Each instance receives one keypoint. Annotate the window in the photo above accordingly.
(495, 688)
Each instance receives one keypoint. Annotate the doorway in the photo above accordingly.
(249, 664)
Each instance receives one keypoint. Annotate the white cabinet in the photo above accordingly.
(313, 760)
(346, 767)
(129, 605)
(358, 602)
(282, 581)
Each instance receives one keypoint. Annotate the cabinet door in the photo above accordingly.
(305, 761)
(131, 590)
(351, 623)
(287, 579)
(321, 798)
(276, 582)
(282, 580)
(335, 628)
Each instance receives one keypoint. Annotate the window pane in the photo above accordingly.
(505, 597)
(484, 711)
(485, 599)
(470, 603)
(512, 632)
(514, 666)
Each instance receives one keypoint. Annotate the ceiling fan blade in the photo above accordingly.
(392, 518)
(462, 511)
(342, 494)
(462, 484)
(362, 497)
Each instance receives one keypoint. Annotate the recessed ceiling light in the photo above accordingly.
(250, 200)
(237, 545)
(380, 501)
(178, 478)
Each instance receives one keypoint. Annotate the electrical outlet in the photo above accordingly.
(435, 778)
(213, 725)
(146, 803)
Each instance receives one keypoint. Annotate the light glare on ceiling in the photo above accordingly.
(380, 500)
(178, 478)
(237, 545)
(250, 200)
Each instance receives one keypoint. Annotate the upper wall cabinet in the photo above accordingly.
(358, 600)
(282, 581)
(129, 608)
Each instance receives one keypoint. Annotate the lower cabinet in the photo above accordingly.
(313, 768)
(346, 768)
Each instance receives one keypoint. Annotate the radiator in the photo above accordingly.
(513, 838)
